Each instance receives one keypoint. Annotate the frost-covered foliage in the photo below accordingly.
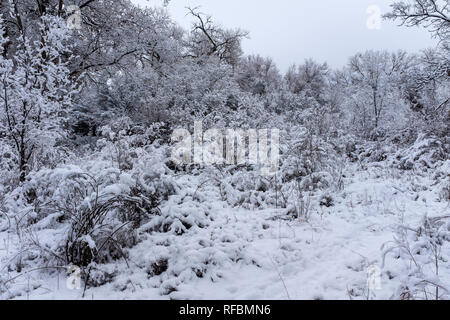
(87, 179)
(94, 208)
(424, 253)
(35, 93)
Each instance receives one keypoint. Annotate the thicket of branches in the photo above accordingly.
(86, 117)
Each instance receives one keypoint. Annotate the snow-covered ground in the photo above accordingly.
(245, 254)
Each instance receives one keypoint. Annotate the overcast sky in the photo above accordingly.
(290, 31)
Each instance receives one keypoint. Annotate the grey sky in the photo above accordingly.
(290, 31)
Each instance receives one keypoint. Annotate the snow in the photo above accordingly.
(253, 254)
(91, 197)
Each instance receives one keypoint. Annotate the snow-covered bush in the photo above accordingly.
(94, 207)
(247, 188)
(441, 179)
(423, 253)
(425, 153)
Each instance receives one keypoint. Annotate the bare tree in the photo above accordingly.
(432, 14)
(258, 75)
(310, 77)
(374, 76)
(209, 39)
